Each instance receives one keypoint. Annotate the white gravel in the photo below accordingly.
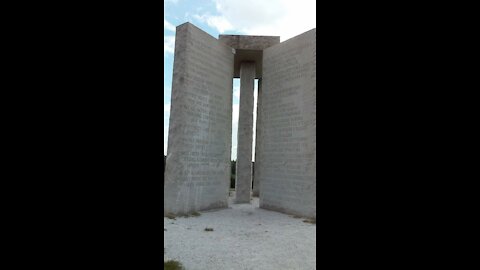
(244, 237)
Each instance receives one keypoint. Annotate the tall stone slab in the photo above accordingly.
(287, 153)
(197, 175)
(243, 181)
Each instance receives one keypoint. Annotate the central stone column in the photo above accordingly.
(243, 183)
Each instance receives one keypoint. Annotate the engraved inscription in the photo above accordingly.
(198, 159)
(287, 169)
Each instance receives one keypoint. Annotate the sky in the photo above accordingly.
(284, 18)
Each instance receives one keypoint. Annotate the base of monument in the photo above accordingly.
(239, 232)
(233, 199)
(287, 211)
(211, 207)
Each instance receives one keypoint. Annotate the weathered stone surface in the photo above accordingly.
(243, 182)
(248, 49)
(198, 171)
(244, 42)
(198, 161)
(287, 152)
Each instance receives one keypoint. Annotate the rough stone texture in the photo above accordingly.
(243, 182)
(258, 131)
(198, 170)
(287, 153)
(248, 48)
(244, 42)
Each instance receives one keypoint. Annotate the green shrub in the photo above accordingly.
(172, 265)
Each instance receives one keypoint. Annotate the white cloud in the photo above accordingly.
(167, 108)
(168, 44)
(167, 25)
(235, 109)
(255, 100)
(236, 92)
(218, 22)
(284, 18)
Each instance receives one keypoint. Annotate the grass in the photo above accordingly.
(195, 214)
(170, 216)
(172, 265)
(311, 221)
(173, 216)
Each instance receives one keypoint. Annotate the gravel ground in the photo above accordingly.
(243, 237)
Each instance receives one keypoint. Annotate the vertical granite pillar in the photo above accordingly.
(288, 147)
(198, 167)
(256, 176)
(243, 183)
